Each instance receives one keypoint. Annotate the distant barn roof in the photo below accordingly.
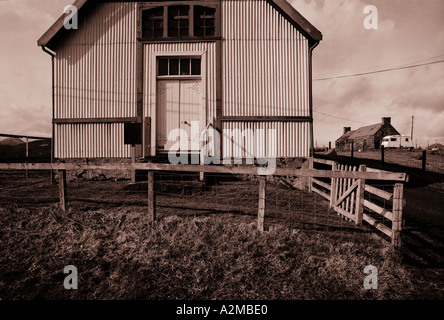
(283, 6)
(367, 131)
(345, 136)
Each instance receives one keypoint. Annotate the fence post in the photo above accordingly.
(424, 160)
(360, 199)
(333, 195)
(310, 179)
(151, 205)
(133, 161)
(62, 189)
(351, 149)
(382, 154)
(261, 207)
(27, 156)
(397, 214)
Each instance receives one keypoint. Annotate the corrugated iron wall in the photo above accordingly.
(180, 48)
(288, 139)
(95, 77)
(103, 140)
(265, 71)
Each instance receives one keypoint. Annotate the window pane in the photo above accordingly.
(204, 21)
(184, 67)
(173, 29)
(158, 24)
(198, 28)
(195, 67)
(184, 32)
(184, 10)
(178, 24)
(158, 33)
(209, 22)
(152, 23)
(183, 27)
(210, 31)
(163, 67)
(173, 24)
(174, 67)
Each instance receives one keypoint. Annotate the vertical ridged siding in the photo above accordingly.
(290, 139)
(90, 141)
(265, 62)
(95, 77)
(265, 71)
(180, 48)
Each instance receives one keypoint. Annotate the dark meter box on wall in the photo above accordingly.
(133, 133)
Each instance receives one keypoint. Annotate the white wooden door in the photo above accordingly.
(190, 108)
(179, 103)
(167, 117)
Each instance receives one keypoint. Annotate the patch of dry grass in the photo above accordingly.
(120, 256)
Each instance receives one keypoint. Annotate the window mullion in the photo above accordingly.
(165, 21)
(191, 21)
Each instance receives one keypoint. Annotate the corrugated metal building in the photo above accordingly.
(227, 64)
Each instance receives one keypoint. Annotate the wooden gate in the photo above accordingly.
(357, 201)
(347, 195)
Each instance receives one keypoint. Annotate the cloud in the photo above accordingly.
(409, 32)
(35, 120)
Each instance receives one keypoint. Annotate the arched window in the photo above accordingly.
(152, 23)
(178, 21)
(170, 22)
(204, 21)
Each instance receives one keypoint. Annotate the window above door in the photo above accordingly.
(180, 20)
(189, 67)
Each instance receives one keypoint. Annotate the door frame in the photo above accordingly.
(153, 91)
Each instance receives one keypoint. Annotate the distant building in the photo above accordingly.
(365, 138)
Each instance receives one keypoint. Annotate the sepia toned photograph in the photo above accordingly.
(222, 155)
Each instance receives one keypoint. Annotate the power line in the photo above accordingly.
(329, 115)
(413, 60)
(379, 71)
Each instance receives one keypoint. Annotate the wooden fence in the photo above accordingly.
(347, 198)
(347, 185)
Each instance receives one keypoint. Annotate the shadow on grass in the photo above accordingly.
(417, 178)
(423, 230)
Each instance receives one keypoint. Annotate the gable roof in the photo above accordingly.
(58, 25)
(283, 6)
(345, 136)
(367, 131)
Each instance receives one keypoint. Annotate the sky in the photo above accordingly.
(410, 32)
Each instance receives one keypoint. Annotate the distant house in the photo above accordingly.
(365, 138)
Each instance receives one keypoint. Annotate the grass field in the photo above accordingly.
(195, 258)
(413, 159)
(196, 255)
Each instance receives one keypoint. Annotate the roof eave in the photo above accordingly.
(57, 26)
(305, 26)
(308, 29)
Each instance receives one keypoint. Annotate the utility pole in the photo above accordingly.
(411, 137)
